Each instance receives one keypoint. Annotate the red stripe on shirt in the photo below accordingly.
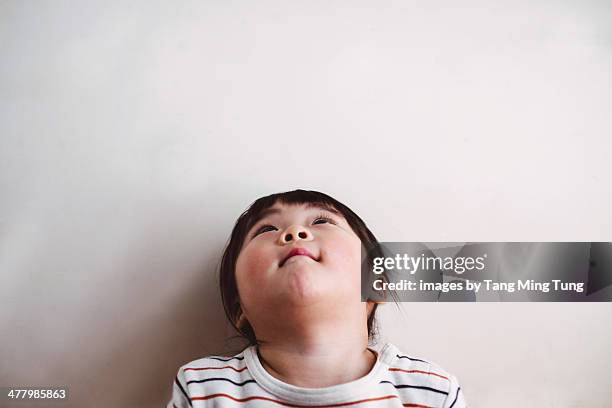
(216, 368)
(417, 371)
(341, 404)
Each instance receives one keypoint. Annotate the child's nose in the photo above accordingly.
(295, 233)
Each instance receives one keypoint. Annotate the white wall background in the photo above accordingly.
(133, 134)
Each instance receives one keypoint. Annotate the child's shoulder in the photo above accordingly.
(406, 371)
(208, 375)
(402, 364)
(212, 362)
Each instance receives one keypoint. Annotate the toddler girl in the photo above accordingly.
(290, 280)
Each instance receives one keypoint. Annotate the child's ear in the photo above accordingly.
(241, 320)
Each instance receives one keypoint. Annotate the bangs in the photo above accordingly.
(312, 199)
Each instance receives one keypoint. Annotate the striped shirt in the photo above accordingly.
(396, 380)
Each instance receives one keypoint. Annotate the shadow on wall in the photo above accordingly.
(132, 340)
(139, 370)
(142, 368)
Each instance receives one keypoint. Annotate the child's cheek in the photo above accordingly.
(253, 268)
(345, 257)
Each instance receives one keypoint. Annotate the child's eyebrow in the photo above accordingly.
(265, 213)
(323, 207)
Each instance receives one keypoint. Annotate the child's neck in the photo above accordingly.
(317, 363)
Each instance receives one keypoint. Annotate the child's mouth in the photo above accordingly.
(297, 252)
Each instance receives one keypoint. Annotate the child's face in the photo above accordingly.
(269, 287)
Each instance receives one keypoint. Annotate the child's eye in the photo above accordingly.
(324, 219)
(264, 228)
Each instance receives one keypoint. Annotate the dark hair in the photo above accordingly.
(227, 276)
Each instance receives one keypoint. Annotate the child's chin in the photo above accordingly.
(303, 287)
